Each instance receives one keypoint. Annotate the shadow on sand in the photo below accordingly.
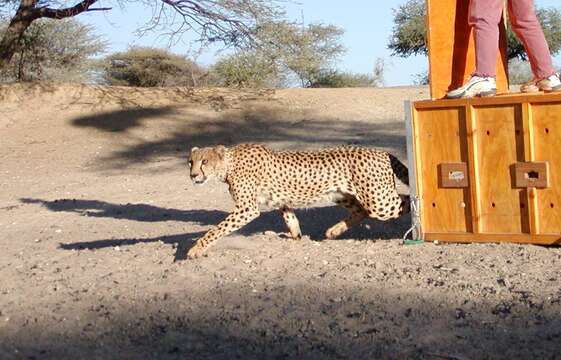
(258, 124)
(313, 221)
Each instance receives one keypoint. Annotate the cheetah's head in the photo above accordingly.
(207, 162)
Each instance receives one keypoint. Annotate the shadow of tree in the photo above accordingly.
(313, 221)
(294, 322)
(122, 120)
(136, 212)
(270, 124)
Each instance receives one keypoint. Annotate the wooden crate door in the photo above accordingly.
(452, 49)
(441, 139)
(546, 119)
(500, 145)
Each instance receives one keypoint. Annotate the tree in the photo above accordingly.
(286, 52)
(409, 32)
(228, 21)
(305, 52)
(147, 67)
(53, 50)
(246, 69)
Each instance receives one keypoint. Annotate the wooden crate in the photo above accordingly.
(451, 47)
(487, 169)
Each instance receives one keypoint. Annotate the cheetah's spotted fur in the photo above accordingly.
(359, 179)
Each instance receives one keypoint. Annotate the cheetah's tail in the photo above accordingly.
(399, 169)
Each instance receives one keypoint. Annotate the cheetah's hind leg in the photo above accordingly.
(357, 214)
(291, 222)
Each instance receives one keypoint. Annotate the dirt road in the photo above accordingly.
(96, 212)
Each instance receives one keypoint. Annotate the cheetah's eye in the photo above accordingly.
(190, 163)
(205, 161)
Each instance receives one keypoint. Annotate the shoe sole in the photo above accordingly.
(532, 89)
(553, 89)
(487, 93)
(469, 95)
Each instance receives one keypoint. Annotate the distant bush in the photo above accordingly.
(58, 50)
(519, 72)
(336, 79)
(421, 78)
(149, 67)
(245, 69)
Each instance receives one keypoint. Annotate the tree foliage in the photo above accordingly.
(246, 69)
(149, 67)
(231, 22)
(340, 79)
(409, 35)
(54, 50)
(286, 51)
(302, 51)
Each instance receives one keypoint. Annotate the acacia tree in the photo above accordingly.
(53, 50)
(147, 67)
(409, 35)
(287, 50)
(228, 21)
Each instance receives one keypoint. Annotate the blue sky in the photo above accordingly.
(367, 25)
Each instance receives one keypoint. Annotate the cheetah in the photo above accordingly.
(356, 178)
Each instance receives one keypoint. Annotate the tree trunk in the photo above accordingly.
(26, 13)
(19, 23)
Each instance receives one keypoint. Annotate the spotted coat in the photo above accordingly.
(362, 180)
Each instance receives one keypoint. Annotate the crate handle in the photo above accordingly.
(453, 175)
(531, 174)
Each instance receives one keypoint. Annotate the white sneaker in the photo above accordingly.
(476, 86)
(549, 84)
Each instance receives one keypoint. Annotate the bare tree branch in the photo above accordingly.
(83, 6)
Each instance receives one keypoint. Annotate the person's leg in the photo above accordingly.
(484, 16)
(528, 29)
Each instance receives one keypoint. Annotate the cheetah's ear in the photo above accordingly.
(194, 148)
(220, 150)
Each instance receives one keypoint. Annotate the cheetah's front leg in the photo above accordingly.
(238, 218)
(291, 222)
(357, 214)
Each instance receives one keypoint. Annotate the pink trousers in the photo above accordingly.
(485, 15)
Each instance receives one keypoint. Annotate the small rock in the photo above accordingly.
(502, 309)
(460, 314)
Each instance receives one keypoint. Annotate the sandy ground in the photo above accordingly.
(96, 213)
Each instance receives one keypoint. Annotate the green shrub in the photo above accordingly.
(245, 69)
(149, 67)
(54, 50)
(336, 79)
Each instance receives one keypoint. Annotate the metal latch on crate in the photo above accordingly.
(531, 174)
(453, 175)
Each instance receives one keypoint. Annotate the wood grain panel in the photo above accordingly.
(451, 47)
(500, 146)
(547, 147)
(510, 238)
(441, 139)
